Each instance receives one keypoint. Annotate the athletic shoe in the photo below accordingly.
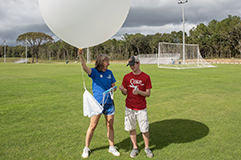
(134, 153)
(86, 152)
(149, 153)
(114, 151)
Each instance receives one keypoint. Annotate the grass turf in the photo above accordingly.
(193, 114)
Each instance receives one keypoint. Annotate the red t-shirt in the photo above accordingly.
(143, 82)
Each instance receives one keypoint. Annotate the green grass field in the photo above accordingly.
(193, 114)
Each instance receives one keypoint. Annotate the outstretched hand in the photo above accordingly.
(80, 52)
(123, 89)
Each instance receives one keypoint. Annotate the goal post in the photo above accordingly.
(170, 55)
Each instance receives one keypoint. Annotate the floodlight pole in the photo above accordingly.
(4, 51)
(26, 48)
(88, 55)
(183, 2)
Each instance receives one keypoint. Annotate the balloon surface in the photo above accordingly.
(84, 23)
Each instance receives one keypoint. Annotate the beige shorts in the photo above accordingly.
(132, 116)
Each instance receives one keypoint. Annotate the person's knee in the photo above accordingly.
(145, 133)
(92, 127)
(110, 126)
(133, 132)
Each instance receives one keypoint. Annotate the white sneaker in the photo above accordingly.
(134, 153)
(86, 152)
(149, 153)
(114, 151)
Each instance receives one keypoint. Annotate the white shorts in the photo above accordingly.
(132, 116)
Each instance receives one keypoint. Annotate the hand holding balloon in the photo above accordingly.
(82, 61)
(80, 52)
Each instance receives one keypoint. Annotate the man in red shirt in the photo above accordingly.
(137, 86)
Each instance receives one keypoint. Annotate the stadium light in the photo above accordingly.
(183, 20)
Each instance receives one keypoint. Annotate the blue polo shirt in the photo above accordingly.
(101, 81)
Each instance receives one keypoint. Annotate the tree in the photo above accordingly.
(236, 32)
(128, 47)
(136, 41)
(201, 36)
(233, 34)
(34, 39)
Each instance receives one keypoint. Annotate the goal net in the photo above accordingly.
(170, 55)
(148, 58)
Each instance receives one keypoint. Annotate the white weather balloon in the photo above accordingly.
(84, 23)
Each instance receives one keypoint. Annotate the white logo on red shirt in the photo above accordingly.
(135, 83)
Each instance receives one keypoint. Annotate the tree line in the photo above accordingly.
(217, 39)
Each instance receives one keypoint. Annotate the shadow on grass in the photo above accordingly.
(166, 132)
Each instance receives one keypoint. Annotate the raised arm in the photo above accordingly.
(82, 61)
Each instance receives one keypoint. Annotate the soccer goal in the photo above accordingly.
(148, 58)
(170, 55)
(22, 60)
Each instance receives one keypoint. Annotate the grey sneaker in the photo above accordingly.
(86, 152)
(134, 153)
(149, 153)
(114, 151)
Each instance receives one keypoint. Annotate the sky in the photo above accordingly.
(145, 16)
